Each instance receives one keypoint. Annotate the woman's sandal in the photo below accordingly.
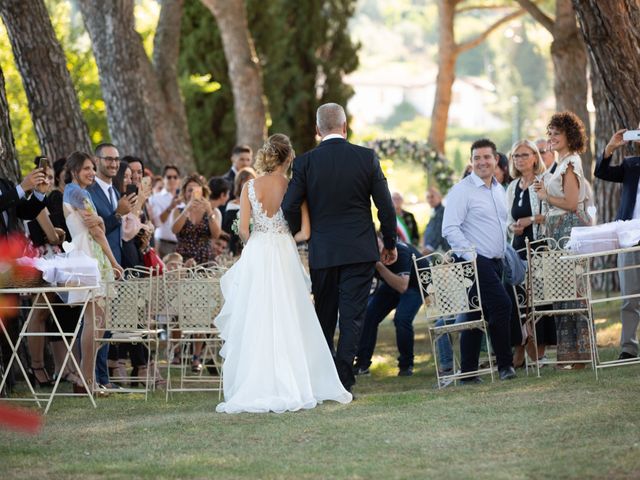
(47, 382)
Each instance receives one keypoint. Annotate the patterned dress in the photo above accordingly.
(572, 330)
(194, 241)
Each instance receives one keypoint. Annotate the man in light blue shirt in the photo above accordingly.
(476, 218)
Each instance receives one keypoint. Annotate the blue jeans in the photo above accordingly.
(102, 357)
(381, 303)
(445, 350)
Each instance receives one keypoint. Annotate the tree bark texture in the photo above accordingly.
(610, 31)
(569, 56)
(9, 167)
(140, 120)
(245, 72)
(52, 99)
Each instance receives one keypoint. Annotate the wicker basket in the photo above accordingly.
(27, 278)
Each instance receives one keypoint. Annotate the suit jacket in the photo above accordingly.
(16, 208)
(627, 173)
(338, 180)
(112, 223)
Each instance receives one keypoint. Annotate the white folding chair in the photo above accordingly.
(448, 289)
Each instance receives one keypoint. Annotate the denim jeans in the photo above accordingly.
(445, 349)
(381, 303)
(102, 369)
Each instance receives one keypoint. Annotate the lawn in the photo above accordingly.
(563, 425)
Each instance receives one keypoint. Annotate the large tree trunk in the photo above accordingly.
(569, 56)
(9, 167)
(140, 121)
(244, 70)
(53, 103)
(447, 57)
(610, 31)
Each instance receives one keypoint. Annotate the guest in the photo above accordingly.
(526, 221)
(195, 225)
(564, 192)
(397, 290)
(407, 226)
(476, 216)
(157, 184)
(627, 173)
(220, 191)
(241, 157)
(547, 154)
(131, 254)
(233, 208)
(88, 230)
(433, 239)
(502, 170)
(161, 207)
(111, 207)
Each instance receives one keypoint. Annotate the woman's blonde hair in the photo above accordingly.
(538, 166)
(276, 151)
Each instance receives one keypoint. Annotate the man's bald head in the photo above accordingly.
(330, 118)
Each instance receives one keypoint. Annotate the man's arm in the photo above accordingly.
(29, 209)
(605, 171)
(454, 215)
(399, 282)
(382, 200)
(296, 195)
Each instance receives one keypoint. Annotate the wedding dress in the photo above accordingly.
(275, 355)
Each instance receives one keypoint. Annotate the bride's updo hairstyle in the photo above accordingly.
(276, 151)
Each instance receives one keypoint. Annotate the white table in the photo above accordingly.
(41, 301)
(590, 272)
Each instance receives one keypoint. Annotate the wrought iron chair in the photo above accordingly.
(556, 279)
(449, 288)
(196, 298)
(127, 315)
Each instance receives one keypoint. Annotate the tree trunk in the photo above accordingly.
(447, 57)
(9, 167)
(610, 31)
(569, 56)
(244, 70)
(53, 103)
(140, 121)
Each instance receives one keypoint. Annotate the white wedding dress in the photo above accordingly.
(275, 355)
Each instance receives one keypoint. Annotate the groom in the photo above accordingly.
(338, 180)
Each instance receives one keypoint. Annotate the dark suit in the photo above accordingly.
(338, 180)
(627, 173)
(16, 208)
(112, 223)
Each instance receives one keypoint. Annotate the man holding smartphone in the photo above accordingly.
(627, 173)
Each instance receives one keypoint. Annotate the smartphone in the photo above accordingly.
(131, 188)
(631, 135)
(146, 182)
(43, 163)
(197, 193)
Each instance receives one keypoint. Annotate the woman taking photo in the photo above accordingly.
(565, 195)
(526, 222)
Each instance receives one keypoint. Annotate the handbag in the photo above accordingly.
(514, 267)
(153, 261)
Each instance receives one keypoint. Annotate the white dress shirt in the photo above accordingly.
(159, 202)
(108, 188)
(476, 217)
(332, 135)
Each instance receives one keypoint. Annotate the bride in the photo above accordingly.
(275, 354)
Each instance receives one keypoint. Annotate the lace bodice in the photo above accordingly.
(262, 222)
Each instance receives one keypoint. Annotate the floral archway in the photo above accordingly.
(419, 152)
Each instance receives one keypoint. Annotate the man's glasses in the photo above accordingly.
(111, 159)
(171, 177)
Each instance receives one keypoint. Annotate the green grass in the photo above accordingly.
(563, 425)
